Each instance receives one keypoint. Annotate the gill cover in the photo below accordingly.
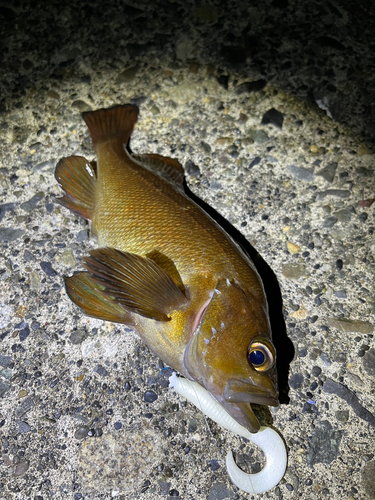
(220, 355)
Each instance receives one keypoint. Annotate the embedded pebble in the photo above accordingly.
(364, 172)
(82, 106)
(348, 325)
(214, 464)
(220, 491)
(82, 235)
(150, 396)
(368, 362)
(273, 117)
(301, 173)
(44, 166)
(340, 294)
(5, 360)
(25, 406)
(192, 169)
(24, 333)
(100, 370)
(4, 387)
(293, 248)
(366, 203)
(78, 336)
(21, 467)
(324, 444)
(296, 381)
(330, 221)
(345, 214)
(328, 172)
(10, 234)
(127, 75)
(255, 161)
(258, 136)
(4, 208)
(164, 487)
(32, 203)
(68, 258)
(48, 269)
(23, 427)
(325, 359)
(342, 415)
(293, 271)
(81, 432)
(368, 474)
(362, 217)
(184, 92)
(247, 87)
(34, 280)
(337, 193)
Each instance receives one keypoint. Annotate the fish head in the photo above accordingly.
(231, 353)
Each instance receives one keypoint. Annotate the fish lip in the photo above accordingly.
(238, 390)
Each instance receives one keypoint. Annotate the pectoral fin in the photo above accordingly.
(77, 177)
(85, 293)
(135, 282)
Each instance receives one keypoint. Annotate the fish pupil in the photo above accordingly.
(257, 357)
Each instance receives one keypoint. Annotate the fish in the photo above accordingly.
(165, 268)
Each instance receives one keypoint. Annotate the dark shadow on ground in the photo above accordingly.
(284, 346)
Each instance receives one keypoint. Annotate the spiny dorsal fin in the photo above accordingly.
(77, 177)
(115, 123)
(85, 293)
(168, 168)
(135, 282)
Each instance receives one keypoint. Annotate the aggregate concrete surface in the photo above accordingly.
(269, 106)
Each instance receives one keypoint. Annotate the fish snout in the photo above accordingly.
(245, 391)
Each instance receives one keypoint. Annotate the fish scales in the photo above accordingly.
(138, 212)
(167, 269)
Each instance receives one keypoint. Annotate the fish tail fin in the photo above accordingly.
(86, 294)
(112, 123)
(77, 177)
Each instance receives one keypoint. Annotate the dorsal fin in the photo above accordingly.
(168, 168)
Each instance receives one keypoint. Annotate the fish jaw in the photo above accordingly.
(217, 353)
(245, 391)
(240, 394)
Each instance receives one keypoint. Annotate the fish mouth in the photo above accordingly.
(238, 396)
(244, 391)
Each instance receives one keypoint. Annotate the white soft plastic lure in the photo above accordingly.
(267, 439)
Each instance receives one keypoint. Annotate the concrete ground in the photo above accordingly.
(269, 106)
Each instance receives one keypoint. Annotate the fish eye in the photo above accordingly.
(261, 354)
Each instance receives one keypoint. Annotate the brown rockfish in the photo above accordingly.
(165, 268)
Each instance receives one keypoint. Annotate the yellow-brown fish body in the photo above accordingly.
(166, 268)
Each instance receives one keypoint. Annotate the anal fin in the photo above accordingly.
(77, 177)
(135, 282)
(85, 293)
